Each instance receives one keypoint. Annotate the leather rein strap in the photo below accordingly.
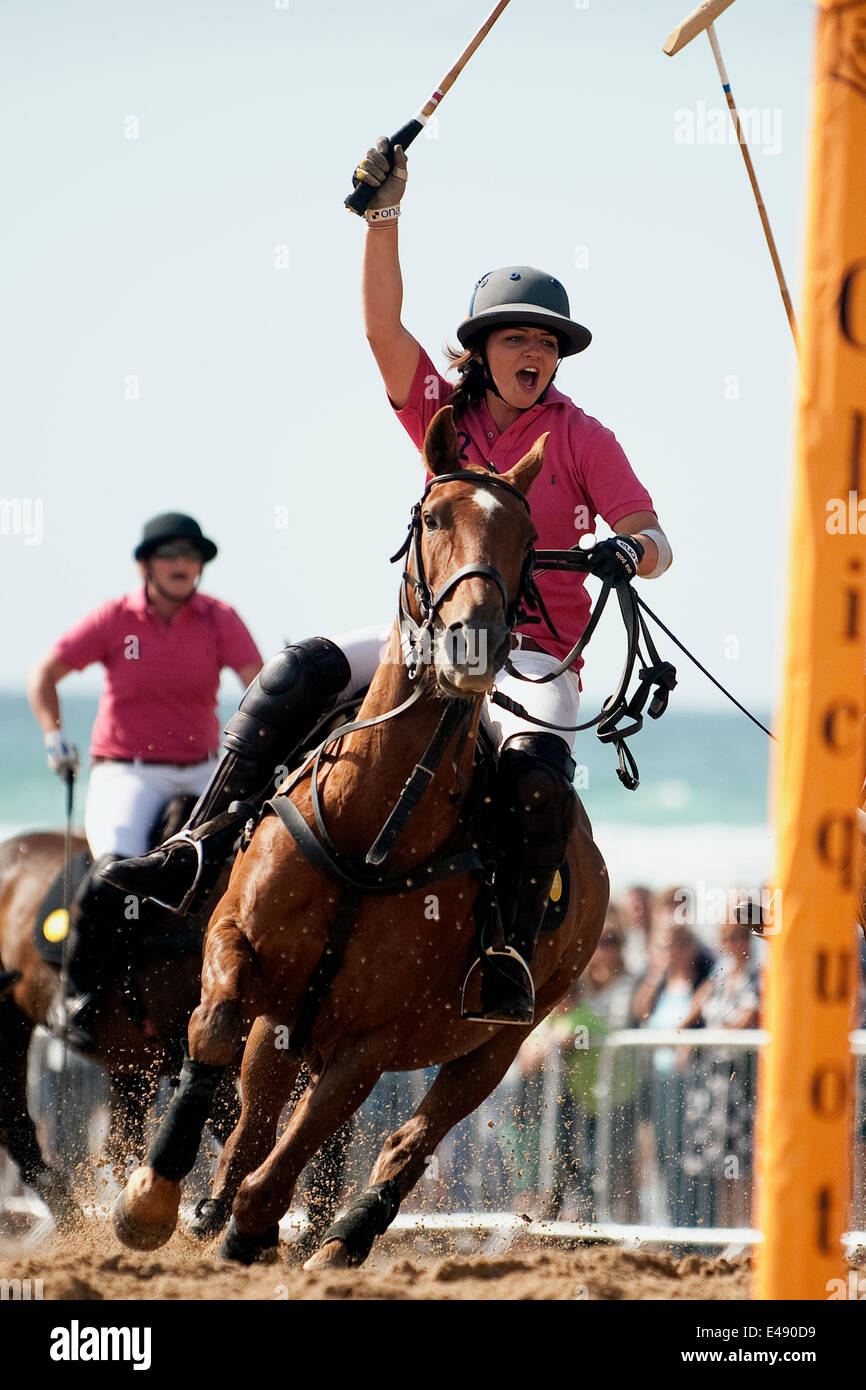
(653, 672)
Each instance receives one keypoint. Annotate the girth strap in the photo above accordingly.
(325, 972)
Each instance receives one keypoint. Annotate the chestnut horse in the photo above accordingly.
(394, 1002)
(135, 1054)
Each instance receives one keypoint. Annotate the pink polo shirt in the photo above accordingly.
(585, 474)
(161, 679)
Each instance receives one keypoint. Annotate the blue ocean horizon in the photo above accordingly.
(699, 814)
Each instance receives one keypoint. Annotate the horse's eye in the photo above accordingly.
(430, 522)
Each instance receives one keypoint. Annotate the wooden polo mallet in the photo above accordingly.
(699, 20)
(360, 196)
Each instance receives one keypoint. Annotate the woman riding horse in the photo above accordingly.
(156, 730)
(517, 331)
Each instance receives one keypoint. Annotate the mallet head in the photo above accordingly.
(694, 24)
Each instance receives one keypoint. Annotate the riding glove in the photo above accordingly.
(62, 757)
(388, 179)
(616, 559)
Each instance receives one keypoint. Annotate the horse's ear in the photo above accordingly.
(441, 454)
(524, 473)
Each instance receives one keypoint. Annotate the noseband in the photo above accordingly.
(414, 636)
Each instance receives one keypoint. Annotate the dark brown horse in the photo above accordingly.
(135, 1052)
(395, 1001)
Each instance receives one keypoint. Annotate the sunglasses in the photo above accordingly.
(177, 550)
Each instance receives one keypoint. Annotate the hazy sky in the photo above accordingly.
(181, 310)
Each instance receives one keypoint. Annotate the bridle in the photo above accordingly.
(415, 637)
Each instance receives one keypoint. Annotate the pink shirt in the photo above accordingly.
(585, 474)
(161, 679)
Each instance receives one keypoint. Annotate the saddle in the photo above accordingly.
(51, 926)
(153, 933)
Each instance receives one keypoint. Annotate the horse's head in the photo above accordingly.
(470, 560)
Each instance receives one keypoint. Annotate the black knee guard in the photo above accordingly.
(535, 801)
(292, 690)
(288, 696)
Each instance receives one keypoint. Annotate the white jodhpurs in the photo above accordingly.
(124, 800)
(557, 702)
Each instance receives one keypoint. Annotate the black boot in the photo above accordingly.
(282, 705)
(96, 922)
(534, 807)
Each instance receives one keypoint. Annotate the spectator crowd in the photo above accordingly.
(677, 1139)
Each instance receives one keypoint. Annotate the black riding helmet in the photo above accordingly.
(521, 294)
(173, 526)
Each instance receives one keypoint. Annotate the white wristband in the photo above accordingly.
(665, 554)
(381, 216)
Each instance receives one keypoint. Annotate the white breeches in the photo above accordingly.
(557, 702)
(124, 800)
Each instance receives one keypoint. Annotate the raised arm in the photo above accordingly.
(395, 350)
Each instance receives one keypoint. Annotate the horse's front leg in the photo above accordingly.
(130, 1096)
(268, 1073)
(265, 1196)
(459, 1088)
(145, 1213)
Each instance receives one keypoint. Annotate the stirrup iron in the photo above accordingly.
(504, 952)
(183, 837)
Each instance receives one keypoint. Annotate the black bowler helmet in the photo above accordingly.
(173, 526)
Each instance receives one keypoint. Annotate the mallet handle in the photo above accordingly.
(359, 199)
(360, 196)
(750, 169)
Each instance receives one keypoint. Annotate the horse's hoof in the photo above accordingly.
(145, 1213)
(300, 1250)
(244, 1249)
(209, 1218)
(332, 1255)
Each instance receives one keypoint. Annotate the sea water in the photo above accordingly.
(698, 816)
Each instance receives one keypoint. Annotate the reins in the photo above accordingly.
(654, 673)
